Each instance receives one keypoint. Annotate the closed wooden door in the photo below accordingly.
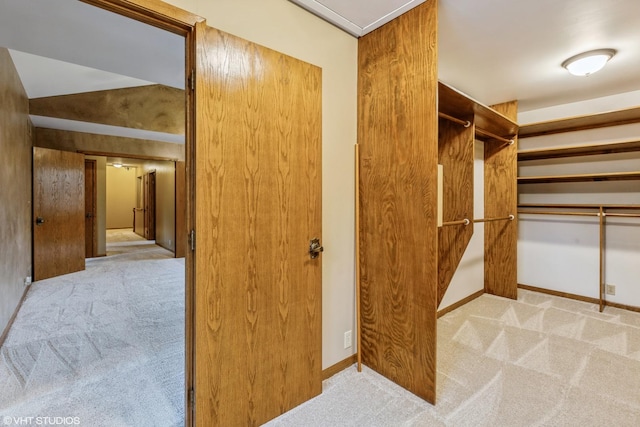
(58, 213)
(258, 203)
(90, 198)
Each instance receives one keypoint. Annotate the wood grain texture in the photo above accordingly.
(258, 203)
(571, 124)
(15, 188)
(501, 199)
(152, 12)
(90, 208)
(579, 150)
(456, 104)
(156, 108)
(108, 145)
(58, 198)
(397, 136)
(455, 154)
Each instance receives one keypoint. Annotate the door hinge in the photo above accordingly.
(192, 240)
(192, 80)
(192, 399)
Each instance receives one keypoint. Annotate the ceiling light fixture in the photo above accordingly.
(587, 63)
(117, 165)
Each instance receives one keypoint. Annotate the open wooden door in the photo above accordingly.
(258, 291)
(58, 212)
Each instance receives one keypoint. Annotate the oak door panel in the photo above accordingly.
(58, 212)
(258, 203)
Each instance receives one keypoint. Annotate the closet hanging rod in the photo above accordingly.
(622, 215)
(576, 206)
(459, 222)
(503, 218)
(465, 123)
(494, 136)
(560, 213)
(481, 131)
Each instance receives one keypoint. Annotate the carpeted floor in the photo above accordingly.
(105, 345)
(538, 361)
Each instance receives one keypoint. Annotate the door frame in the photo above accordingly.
(181, 22)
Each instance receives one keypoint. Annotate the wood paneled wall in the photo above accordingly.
(455, 154)
(15, 189)
(397, 136)
(501, 199)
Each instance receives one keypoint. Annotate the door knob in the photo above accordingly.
(39, 220)
(315, 248)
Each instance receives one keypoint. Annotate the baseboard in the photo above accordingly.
(460, 303)
(340, 366)
(578, 297)
(5, 333)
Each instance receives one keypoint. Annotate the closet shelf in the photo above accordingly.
(579, 150)
(571, 124)
(456, 104)
(616, 176)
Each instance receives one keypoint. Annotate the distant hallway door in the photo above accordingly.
(90, 208)
(149, 203)
(58, 213)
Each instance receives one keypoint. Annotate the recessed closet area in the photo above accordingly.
(457, 199)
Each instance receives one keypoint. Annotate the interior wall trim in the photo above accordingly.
(460, 303)
(578, 297)
(7, 328)
(339, 367)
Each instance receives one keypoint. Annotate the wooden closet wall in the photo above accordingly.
(403, 273)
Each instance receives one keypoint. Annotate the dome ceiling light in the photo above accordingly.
(587, 63)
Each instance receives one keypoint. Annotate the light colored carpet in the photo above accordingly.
(105, 345)
(538, 361)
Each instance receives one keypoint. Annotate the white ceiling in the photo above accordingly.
(61, 47)
(500, 50)
(494, 50)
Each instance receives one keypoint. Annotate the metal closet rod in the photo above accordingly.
(604, 214)
(577, 206)
(467, 221)
(467, 123)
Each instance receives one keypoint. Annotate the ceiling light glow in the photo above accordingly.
(588, 63)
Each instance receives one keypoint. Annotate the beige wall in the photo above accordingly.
(15, 189)
(165, 201)
(285, 27)
(101, 203)
(121, 196)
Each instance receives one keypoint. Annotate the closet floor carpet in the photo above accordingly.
(106, 345)
(538, 361)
